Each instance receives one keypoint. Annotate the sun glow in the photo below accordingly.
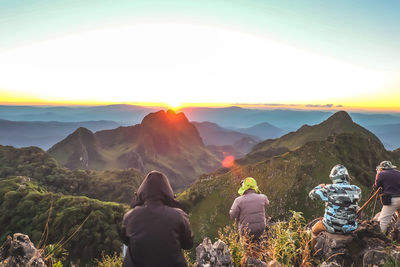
(182, 63)
(174, 105)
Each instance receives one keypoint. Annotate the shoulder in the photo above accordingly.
(127, 215)
(178, 212)
(330, 187)
(239, 198)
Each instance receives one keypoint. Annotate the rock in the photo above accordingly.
(330, 264)
(332, 246)
(274, 263)
(213, 255)
(375, 258)
(366, 246)
(19, 251)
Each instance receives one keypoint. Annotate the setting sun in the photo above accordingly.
(174, 104)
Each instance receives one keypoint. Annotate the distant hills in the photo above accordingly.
(224, 141)
(166, 141)
(122, 114)
(213, 134)
(287, 178)
(44, 134)
(285, 119)
(388, 133)
(263, 130)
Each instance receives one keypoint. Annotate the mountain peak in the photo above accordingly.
(340, 116)
(83, 130)
(164, 118)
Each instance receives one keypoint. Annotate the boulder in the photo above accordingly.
(333, 247)
(366, 246)
(213, 255)
(19, 251)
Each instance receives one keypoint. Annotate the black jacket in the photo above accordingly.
(389, 180)
(155, 230)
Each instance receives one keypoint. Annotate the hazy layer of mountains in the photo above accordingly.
(264, 124)
(123, 114)
(286, 168)
(44, 134)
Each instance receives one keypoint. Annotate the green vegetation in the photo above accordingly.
(117, 185)
(115, 260)
(285, 179)
(84, 227)
(236, 243)
(290, 243)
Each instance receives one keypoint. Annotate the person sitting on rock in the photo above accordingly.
(249, 209)
(155, 230)
(388, 178)
(341, 204)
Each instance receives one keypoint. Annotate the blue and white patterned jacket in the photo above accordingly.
(340, 205)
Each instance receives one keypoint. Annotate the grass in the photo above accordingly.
(286, 242)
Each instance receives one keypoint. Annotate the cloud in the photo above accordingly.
(319, 106)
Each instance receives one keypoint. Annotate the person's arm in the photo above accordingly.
(235, 210)
(187, 237)
(266, 201)
(124, 237)
(319, 192)
(378, 182)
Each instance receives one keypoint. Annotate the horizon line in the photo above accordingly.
(293, 106)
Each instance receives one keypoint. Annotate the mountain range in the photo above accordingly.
(255, 122)
(122, 114)
(164, 140)
(44, 134)
(388, 133)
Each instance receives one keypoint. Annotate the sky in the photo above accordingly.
(209, 52)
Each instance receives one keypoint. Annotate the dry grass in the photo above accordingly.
(286, 242)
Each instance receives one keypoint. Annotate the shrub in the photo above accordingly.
(289, 242)
(115, 260)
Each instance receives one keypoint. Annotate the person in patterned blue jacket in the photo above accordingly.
(341, 204)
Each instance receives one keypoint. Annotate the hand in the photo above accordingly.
(322, 185)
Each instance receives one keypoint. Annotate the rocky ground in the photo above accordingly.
(366, 246)
(19, 251)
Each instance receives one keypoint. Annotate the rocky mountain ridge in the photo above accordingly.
(166, 141)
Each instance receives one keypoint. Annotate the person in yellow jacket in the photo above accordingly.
(249, 208)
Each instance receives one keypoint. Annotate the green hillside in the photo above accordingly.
(338, 123)
(165, 141)
(285, 179)
(25, 208)
(117, 185)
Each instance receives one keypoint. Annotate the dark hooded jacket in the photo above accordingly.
(155, 230)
